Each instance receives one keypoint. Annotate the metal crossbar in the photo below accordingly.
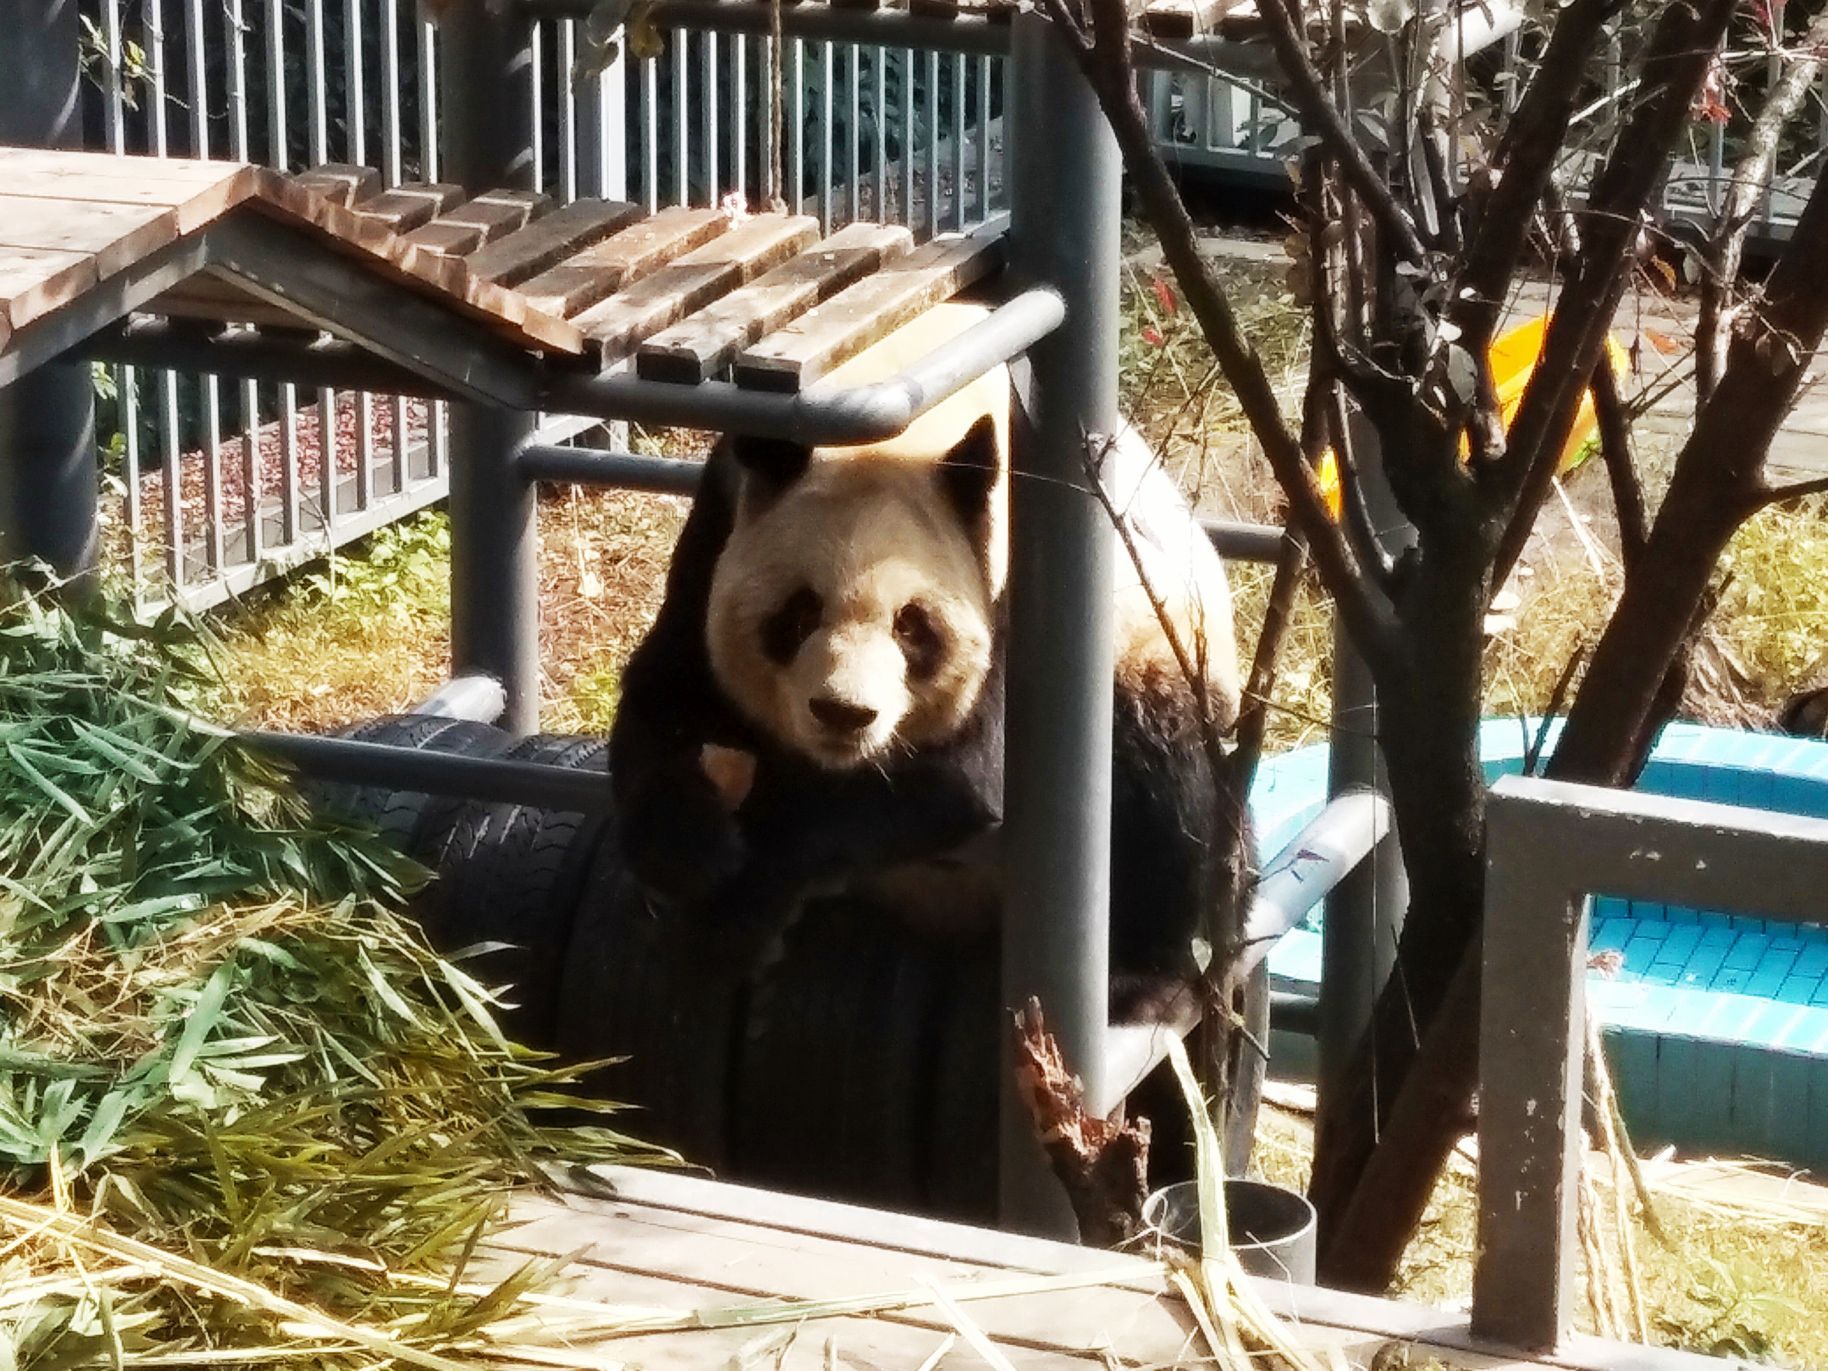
(1550, 847)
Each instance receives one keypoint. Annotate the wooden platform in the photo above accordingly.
(659, 1242)
(683, 295)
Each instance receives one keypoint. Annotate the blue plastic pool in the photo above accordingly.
(1717, 1025)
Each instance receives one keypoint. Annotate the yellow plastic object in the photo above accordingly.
(1513, 360)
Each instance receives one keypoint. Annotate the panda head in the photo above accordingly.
(851, 612)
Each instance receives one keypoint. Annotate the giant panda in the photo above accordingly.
(836, 617)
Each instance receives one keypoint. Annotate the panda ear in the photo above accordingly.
(774, 463)
(969, 472)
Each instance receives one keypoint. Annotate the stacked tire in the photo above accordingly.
(861, 1066)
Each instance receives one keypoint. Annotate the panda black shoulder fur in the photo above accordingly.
(837, 614)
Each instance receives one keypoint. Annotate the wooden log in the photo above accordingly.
(479, 221)
(341, 182)
(550, 239)
(793, 357)
(693, 279)
(406, 207)
(701, 345)
(604, 267)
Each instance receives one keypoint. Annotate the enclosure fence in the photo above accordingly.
(214, 488)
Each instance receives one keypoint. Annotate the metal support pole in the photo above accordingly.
(1364, 914)
(489, 141)
(1066, 212)
(49, 482)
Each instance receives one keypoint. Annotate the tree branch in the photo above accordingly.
(1615, 450)
(1105, 59)
(1677, 59)
(1751, 178)
(1324, 120)
(1773, 495)
(1523, 166)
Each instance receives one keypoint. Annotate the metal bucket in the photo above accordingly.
(1273, 1229)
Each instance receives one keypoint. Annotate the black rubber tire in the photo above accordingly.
(396, 814)
(510, 874)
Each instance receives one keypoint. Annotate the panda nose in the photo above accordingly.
(840, 715)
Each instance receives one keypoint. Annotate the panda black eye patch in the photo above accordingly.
(783, 631)
(919, 639)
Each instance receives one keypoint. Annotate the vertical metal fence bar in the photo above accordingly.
(128, 391)
(568, 110)
(983, 137)
(391, 96)
(316, 81)
(235, 20)
(198, 90)
(428, 101)
(536, 47)
(713, 108)
(154, 20)
(682, 184)
(932, 122)
(827, 80)
(958, 142)
(853, 161)
(796, 127)
(355, 106)
(764, 135)
(390, 92)
(355, 115)
(114, 105)
(739, 131)
(650, 133)
(171, 469)
(880, 203)
(906, 209)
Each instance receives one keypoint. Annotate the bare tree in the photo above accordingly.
(1416, 244)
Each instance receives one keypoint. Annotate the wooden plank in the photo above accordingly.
(550, 239)
(208, 296)
(604, 267)
(36, 281)
(693, 279)
(115, 235)
(793, 357)
(407, 206)
(1138, 1326)
(480, 221)
(341, 182)
(182, 169)
(701, 345)
(1183, 18)
(193, 201)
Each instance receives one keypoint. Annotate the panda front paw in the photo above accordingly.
(679, 840)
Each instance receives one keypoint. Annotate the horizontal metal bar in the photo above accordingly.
(1299, 877)
(1234, 539)
(613, 470)
(272, 356)
(821, 414)
(1310, 864)
(1294, 1011)
(356, 762)
(475, 697)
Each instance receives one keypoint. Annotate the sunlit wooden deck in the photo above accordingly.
(662, 1241)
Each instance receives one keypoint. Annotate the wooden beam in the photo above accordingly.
(482, 220)
(701, 345)
(693, 279)
(550, 239)
(340, 182)
(793, 357)
(407, 206)
(604, 267)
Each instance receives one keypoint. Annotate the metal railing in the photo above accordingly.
(217, 486)
(1550, 847)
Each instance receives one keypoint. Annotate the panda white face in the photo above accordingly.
(850, 613)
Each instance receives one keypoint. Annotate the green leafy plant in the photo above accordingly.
(221, 1037)
(405, 566)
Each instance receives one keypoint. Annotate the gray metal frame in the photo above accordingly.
(1550, 847)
